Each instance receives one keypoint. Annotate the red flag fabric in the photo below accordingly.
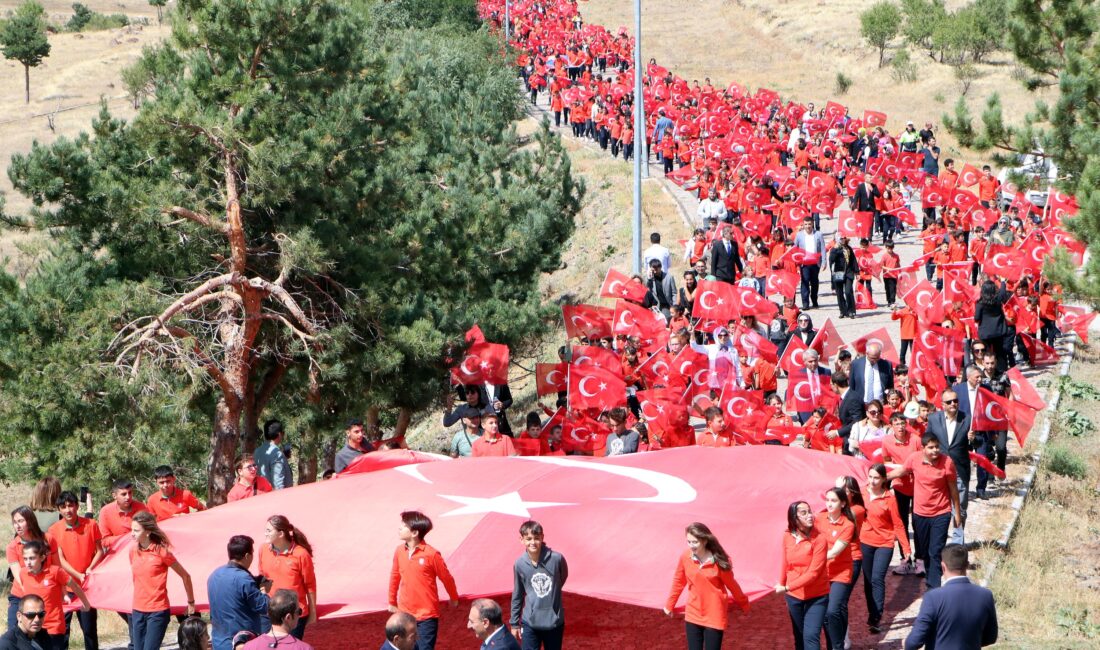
(715, 300)
(1078, 321)
(739, 403)
(957, 287)
(752, 344)
(1003, 261)
(620, 286)
(658, 369)
(990, 413)
(920, 297)
(1041, 354)
(1023, 391)
(872, 449)
(527, 446)
(474, 335)
(584, 355)
(596, 388)
(882, 337)
(874, 118)
(986, 464)
(551, 378)
(791, 361)
(827, 341)
(484, 362)
(783, 282)
(969, 176)
(864, 300)
(586, 321)
(635, 320)
(854, 225)
(784, 433)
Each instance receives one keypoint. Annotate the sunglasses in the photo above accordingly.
(873, 412)
(32, 615)
(950, 401)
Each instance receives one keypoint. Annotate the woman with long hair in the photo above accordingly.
(193, 634)
(150, 558)
(705, 569)
(989, 318)
(249, 482)
(804, 579)
(25, 526)
(44, 501)
(872, 427)
(287, 560)
(882, 526)
(838, 525)
(50, 583)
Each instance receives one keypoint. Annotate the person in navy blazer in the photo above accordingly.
(958, 450)
(487, 622)
(857, 375)
(400, 632)
(959, 615)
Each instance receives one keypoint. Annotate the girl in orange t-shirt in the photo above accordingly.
(287, 560)
(837, 524)
(706, 571)
(48, 582)
(150, 559)
(882, 526)
(804, 580)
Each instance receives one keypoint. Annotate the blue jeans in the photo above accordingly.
(876, 561)
(810, 275)
(147, 629)
(534, 639)
(426, 632)
(299, 630)
(836, 614)
(89, 625)
(807, 619)
(986, 447)
(703, 638)
(13, 607)
(930, 535)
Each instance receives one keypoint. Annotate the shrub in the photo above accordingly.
(843, 83)
(902, 68)
(1066, 463)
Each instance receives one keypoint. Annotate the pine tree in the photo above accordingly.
(24, 40)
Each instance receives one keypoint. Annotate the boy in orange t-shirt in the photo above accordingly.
(416, 568)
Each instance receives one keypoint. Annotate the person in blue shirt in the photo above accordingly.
(236, 602)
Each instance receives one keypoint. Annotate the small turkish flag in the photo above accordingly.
(632, 319)
(483, 363)
(854, 225)
(969, 176)
(474, 335)
(1023, 391)
(551, 378)
(783, 282)
(620, 286)
(1041, 354)
(586, 321)
(990, 412)
(792, 356)
(987, 465)
(827, 341)
(957, 287)
(658, 369)
(874, 118)
(594, 355)
(872, 449)
(863, 297)
(715, 300)
(1003, 261)
(785, 433)
(594, 387)
(882, 338)
(1076, 319)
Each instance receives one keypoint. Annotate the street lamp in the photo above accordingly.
(640, 171)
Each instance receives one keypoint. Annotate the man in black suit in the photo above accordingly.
(816, 374)
(968, 390)
(497, 398)
(27, 633)
(864, 201)
(851, 409)
(871, 375)
(956, 440)
(725, 259)
(487, 622)
(400, 632)
(959, 614)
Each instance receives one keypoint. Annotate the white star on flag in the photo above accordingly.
(510, 503)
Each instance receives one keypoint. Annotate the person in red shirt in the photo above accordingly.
(171, 501)
(908, 329)
(803, 576)
(249, 482)
(890, 265)
(705, 569)
(715, 435)
(935, 502)
(287, 561)
(79, 549)
(115, 518)
(837, 524)
(416, 568)
(882, 526)
(491, 443)
(25, 526)
(987, 187)
(150, 558)
(49, 584)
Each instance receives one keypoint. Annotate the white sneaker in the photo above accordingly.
(920, 568)
(903, 569)
(847, 641)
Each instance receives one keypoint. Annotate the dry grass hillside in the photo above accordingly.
(796, 47)
(80, 70)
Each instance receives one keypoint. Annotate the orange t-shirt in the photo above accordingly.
(291, 570)
(241, 491)
(707, 585)
(78, 543)
(861, 516)
(502, 446)
(931, 491)
(883, 524)
(114, 524)
(708, 438)
(839, 567)
(897, 453)
(150, 569)
(14, 554)
(49, 585)
(803, 569)
(180, 503)
(413, 581)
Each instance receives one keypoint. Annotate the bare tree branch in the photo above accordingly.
(201, 219)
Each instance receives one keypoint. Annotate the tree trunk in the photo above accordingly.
(225, 441)
(27, 83)
(307, 469)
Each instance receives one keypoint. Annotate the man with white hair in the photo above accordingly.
(871, 375)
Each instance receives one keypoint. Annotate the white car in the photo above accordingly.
(1036, 171)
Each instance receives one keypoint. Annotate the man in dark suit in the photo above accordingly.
(959, 614)
(27, 633)
(851, 409)
(871, 375)
(725, 259)
(817, 375)
(400, 632)
(968, 390)
(864, 201)
(956, 440)
(487, 622)
(497, 398)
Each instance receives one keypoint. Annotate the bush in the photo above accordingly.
(843, 83)
(1066, 463)
(86, 20)
(81, 16)
(965, 74)
(902, 68)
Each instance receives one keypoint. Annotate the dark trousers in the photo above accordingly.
(426, 631)
(668, 164)
(1049, 331)
(930, 534)
(905, 343)
(703, 638)
(147, 629)
(876, 562)
(13, 607)
(89, 625)
(989, 445)
(889, 227)
(1000, 448)
(891, 286)
(628, 150)
(807, 619)
(905, 507)
(836, 613)
(299, 631)
(845, 296)
(810, 283)
(548, 639)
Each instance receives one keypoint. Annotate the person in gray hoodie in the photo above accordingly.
(540, 574)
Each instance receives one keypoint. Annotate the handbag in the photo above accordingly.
(838, 276)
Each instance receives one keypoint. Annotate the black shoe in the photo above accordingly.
(873, 628)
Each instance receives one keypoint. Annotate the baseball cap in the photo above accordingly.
(912, 410)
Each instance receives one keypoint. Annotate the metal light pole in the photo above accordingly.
(507, 21)
(640, 171)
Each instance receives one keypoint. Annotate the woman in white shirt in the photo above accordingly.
(723, 357)
(871, 427)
